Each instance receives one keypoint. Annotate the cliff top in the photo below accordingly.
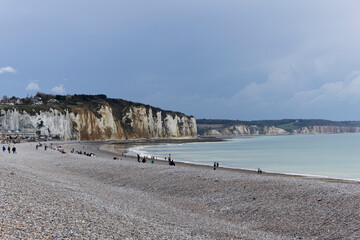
(45, 102)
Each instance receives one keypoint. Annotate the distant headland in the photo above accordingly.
(208, 127)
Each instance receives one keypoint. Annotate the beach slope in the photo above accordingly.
(48, 194)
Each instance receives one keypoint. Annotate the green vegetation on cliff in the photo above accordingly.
(71, 103)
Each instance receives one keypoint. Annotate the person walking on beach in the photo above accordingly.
(169, 159)
(4, 148)
(214, 165)
(138, 157)
(217, 164)
(14, 149)
(9, 149)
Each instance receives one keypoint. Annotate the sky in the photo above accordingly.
(229, 59)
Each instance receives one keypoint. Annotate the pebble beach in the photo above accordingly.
(54, 195)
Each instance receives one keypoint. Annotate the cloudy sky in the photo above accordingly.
(228, 59)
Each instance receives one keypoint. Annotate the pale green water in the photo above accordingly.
(329, 155)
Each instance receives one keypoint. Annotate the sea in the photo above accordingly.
(323, 155)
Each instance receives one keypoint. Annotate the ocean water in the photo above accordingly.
(323, 155)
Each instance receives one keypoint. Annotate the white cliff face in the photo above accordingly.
(83, 124)
(271, 130)
(253, 130)
(327, 129)
(303, 130)
(245, 130)
(51, 123)
(90, 127)
(55, 123)
(171, 125)
(147, 124)
(213, 132)
(180, 126)
(158, 125)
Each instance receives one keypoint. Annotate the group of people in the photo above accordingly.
(83, 153)
(171, 161)
(13, 149)
(144, 159)
(45, 146)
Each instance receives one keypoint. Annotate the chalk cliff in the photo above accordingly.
(97, 119)
(244, 130)
(274, 127)
(326, 129)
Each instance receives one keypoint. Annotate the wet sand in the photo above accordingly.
(47, 194)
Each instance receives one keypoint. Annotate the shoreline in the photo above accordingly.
(130, 144)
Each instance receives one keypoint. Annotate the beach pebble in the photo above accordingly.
(49, 195)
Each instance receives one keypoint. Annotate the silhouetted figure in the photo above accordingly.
(9, 150)
(144, 160)
(172, 163)
(214, 165)
(138, 157)
(14, 149)
(217, 164)
(259, 171)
